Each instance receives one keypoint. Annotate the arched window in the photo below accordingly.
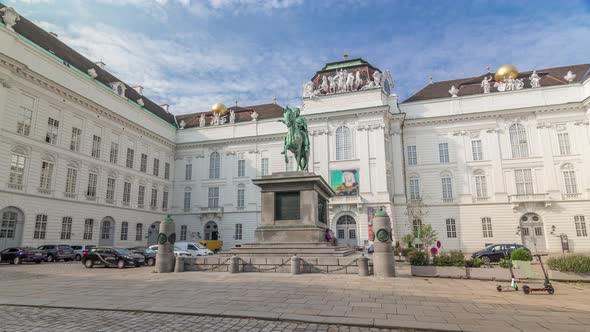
(481, 187)
(343, 143)
(214, 164)
(569, 179)
(518, 141)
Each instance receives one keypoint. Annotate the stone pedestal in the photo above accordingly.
(167, 236)
(383, 257)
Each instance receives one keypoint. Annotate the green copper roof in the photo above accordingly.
(343, 64)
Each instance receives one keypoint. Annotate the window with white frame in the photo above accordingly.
(443, 152)
(213, 197)
(214, 165)
(92, 182)
(40, 227)
(140, 196)
(143, 163)
(238, 232)
(17, 170)
(52, 130)
(481, 187)
(241, 168)
(241, 195)
(110, 190)
(114, 156)
(183, 231)
(164, 200)
(154, 198)
(71, 180)
(126, 193)
(138, 232)
(414, 188)
(124, 230)
(416, 224)
(95, 153)
(476, 150)
(569, 179)
(66, 228)
(412, 155)
(447, 188)
(130, 157)
(167, 171)
(343, 143)
(25, 115)
(451, 228)
(156, 169)
(76, 139)
(46, 175)
(564, 143)
(518, 141)
(524, 181)
(264, 166)
(188, 171)
(580, 222)
(88, 229)
(187, 200)
(486, 227)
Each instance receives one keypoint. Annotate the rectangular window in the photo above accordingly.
(167, 171)
(17, 171)
(525, 231)
(481, 188)
(40, 227)
(447, 188)
(580, 222)
(143, 163)
(213, 196)
(352, 233)
(25, 116)
(156, 169)
(138, 232)
(416, 225)
(88, 229)
(46, 176)
(165, 200)
(76, 139)
(130, 157)
(183, 231)
(241, 196)
(140, 196)
(476, 150)
(187, 200)
(110, 190)
(188, 172)
(564, 143)
(414, 189)
(124, 230)
(71, 180)
(154, 198)
(66, 228)
(569, 179)
(412, 155)
(524, 181)
(126, 193)
(238, 232)
(451, 229)
(114, 156)
(443, 152)
(52, 130)
(340, 234)
(538, 231)
(486, 226)
(92, 181)
(96, 146)
(264, 166)
(241, 168)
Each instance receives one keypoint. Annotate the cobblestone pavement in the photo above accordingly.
(30, 319)
(412, 303)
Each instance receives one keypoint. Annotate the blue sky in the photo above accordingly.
(191, 54)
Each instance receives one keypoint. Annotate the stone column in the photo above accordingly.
(383, 258)
(167, 236)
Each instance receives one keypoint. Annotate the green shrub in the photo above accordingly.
(419, 259)
(504, 263)
(521, 254)
(570, 263)
(408, 251)
(452, 258)
(473, 262)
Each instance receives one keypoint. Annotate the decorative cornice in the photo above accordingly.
(225, 142)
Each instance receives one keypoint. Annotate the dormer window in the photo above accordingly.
(118, 88)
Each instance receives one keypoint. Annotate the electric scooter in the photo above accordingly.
(547, 287)
(513, 283)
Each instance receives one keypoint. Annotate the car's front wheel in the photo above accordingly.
(89, 263)
(486, 260)
(150, 261)
(121, 264)
(78, 257)
(50, 258)
(16, 260)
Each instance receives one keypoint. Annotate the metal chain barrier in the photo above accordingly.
(220, 264)
(276, 266)
(340, 268)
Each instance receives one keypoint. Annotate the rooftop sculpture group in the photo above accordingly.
(343, 81)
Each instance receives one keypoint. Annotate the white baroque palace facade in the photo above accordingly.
(91, 160)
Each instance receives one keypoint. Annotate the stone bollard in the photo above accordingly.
(166, 238)
(179, 266)
(363, 264)
(383, 258)
(295, 265)
(234, 264)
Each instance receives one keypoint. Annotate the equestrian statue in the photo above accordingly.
(297, 139)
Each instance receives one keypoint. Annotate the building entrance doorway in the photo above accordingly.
(107, 232)
(533, 232)
(346, 231)
(11, 227)
(211, 231)
(153, 232)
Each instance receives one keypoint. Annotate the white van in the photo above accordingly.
(196, 249)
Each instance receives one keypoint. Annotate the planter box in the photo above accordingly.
(464, 273)
(568, 276)
(438, 271)
(492, 273)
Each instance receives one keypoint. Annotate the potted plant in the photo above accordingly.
(521, 259)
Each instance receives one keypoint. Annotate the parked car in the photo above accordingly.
(112, 256)
(495, 252)
(17, 255)
(148, 254)
(57, 252)
(81, 250)
(195, 249)
(177, 251)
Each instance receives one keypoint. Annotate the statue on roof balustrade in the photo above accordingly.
(535, 80)
(202, 120)
(232, 116)
(358, 81)
(485, 84)
(350, 82)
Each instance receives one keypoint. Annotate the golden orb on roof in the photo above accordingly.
(219, 108)
(506, 71)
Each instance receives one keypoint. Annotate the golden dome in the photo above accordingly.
(506, 71)
(219, 108)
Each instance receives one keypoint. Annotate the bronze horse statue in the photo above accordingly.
(297, 139)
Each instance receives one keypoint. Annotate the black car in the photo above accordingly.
(496, 252)
(147, 253)
(18, 255)
(57, 252)
(112, 256)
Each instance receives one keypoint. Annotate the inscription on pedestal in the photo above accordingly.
(287, 206)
